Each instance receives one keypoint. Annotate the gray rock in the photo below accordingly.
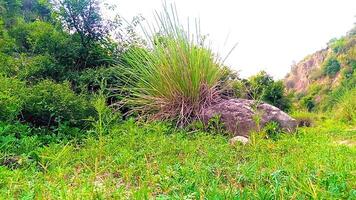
(239, 116)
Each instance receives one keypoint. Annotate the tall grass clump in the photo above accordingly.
(176, 76)
(346, 108)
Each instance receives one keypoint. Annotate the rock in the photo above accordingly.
(236, 139)
(238, 116)
(299, 78)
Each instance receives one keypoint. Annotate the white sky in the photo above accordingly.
(271, 34)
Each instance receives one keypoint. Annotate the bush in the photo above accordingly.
(36, 68)
(50, 104)
(346, 107)
(263, 87)
(272, 130)
(337, 45)
(12, 98)
(331, 67)
(308, 103)
(92, 80)
(275, 95)
(174, 80)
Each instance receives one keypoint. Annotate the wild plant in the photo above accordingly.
(176, 77)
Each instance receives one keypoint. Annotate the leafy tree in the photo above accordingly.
(262, 87)
(257, 85)
(83, 17)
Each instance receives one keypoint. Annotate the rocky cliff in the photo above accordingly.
(325, 67)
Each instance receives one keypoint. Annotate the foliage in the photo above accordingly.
(213, 126)
(83, 17)
(91, 80)
(346, 107)
(93, 32)
(175, 79)
(333, 98)
(27, 10)
(308, 103)
(12, 98)
(337, 45)
(272, 130)
(51, 104)
(262, 86)
(331, 67)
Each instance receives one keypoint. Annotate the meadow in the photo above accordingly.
(90, 109)
(155, 160)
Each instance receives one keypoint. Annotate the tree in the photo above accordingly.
(263, 87)
(84, 18)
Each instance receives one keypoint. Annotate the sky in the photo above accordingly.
(270, 34)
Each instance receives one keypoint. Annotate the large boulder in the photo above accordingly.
(239, 116)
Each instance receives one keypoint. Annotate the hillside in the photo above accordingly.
(326, 66)
(322, 74)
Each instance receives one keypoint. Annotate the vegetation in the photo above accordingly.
(154, 160)
(331, 67)
(89, 110)
(176, 78)
(260, 87)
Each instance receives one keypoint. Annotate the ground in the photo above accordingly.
(144, 161)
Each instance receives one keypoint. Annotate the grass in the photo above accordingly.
(346, 107)
(176, 78)
(144, 161)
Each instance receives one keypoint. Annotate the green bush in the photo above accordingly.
(34, 69)
(8, 65)
(12, 98)
(262, 87)
(308, 103)
(275, 95)
(272, 130)
(92, 80)
(338, 45)
(49, 104)
(331, 67)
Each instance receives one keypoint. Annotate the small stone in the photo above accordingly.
(238, 139)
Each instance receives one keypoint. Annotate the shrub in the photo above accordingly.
(176, 78)
(50, 104)
(12, 98)
(263, 87)
(36, 68)
(308, 103)
(91, 80)
(346, 107)
(272, 130)
(335, 95)
(8, 65)
(338, 45)
(275, 95)
(331, 67)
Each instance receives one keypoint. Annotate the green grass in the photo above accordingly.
(140, 161)
(176, 77)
